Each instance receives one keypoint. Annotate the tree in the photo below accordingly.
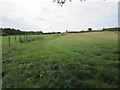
(103, 29)
(61, 2)
(89, 29)
(66, 31)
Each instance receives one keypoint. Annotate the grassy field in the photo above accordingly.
(74, 60)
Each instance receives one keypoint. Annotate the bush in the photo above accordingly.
(4, 34)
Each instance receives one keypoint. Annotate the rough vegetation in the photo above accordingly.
(74, 60)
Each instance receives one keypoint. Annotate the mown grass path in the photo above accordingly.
(73, 60)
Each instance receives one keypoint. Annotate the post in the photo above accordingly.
(34, 35)
(15, 39)
(24, 37)
(20, 39)
(9, 40)
(29, 36)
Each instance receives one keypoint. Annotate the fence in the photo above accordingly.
(27, 38)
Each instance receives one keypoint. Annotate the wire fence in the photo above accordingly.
(12, 39)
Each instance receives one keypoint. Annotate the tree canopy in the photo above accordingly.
(61, 2)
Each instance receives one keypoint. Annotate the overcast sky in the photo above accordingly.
(48, 16)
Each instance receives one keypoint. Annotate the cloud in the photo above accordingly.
(17, 23)
(40, 19)
(49, 16)
(119, 14)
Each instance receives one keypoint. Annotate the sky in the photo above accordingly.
(48, 16)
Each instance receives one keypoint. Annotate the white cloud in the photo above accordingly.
(49, 16)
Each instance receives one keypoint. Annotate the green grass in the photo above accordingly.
(75, 60)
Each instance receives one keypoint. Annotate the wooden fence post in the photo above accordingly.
(24, 36)
(15, 39)
(29, 36)
(20, 38)
(9, 40)
(34, 35)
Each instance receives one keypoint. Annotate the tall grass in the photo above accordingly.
(76, 60)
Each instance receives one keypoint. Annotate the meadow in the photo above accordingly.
(72, 60)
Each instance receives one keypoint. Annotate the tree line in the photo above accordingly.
(12, 31)
(111, 29)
